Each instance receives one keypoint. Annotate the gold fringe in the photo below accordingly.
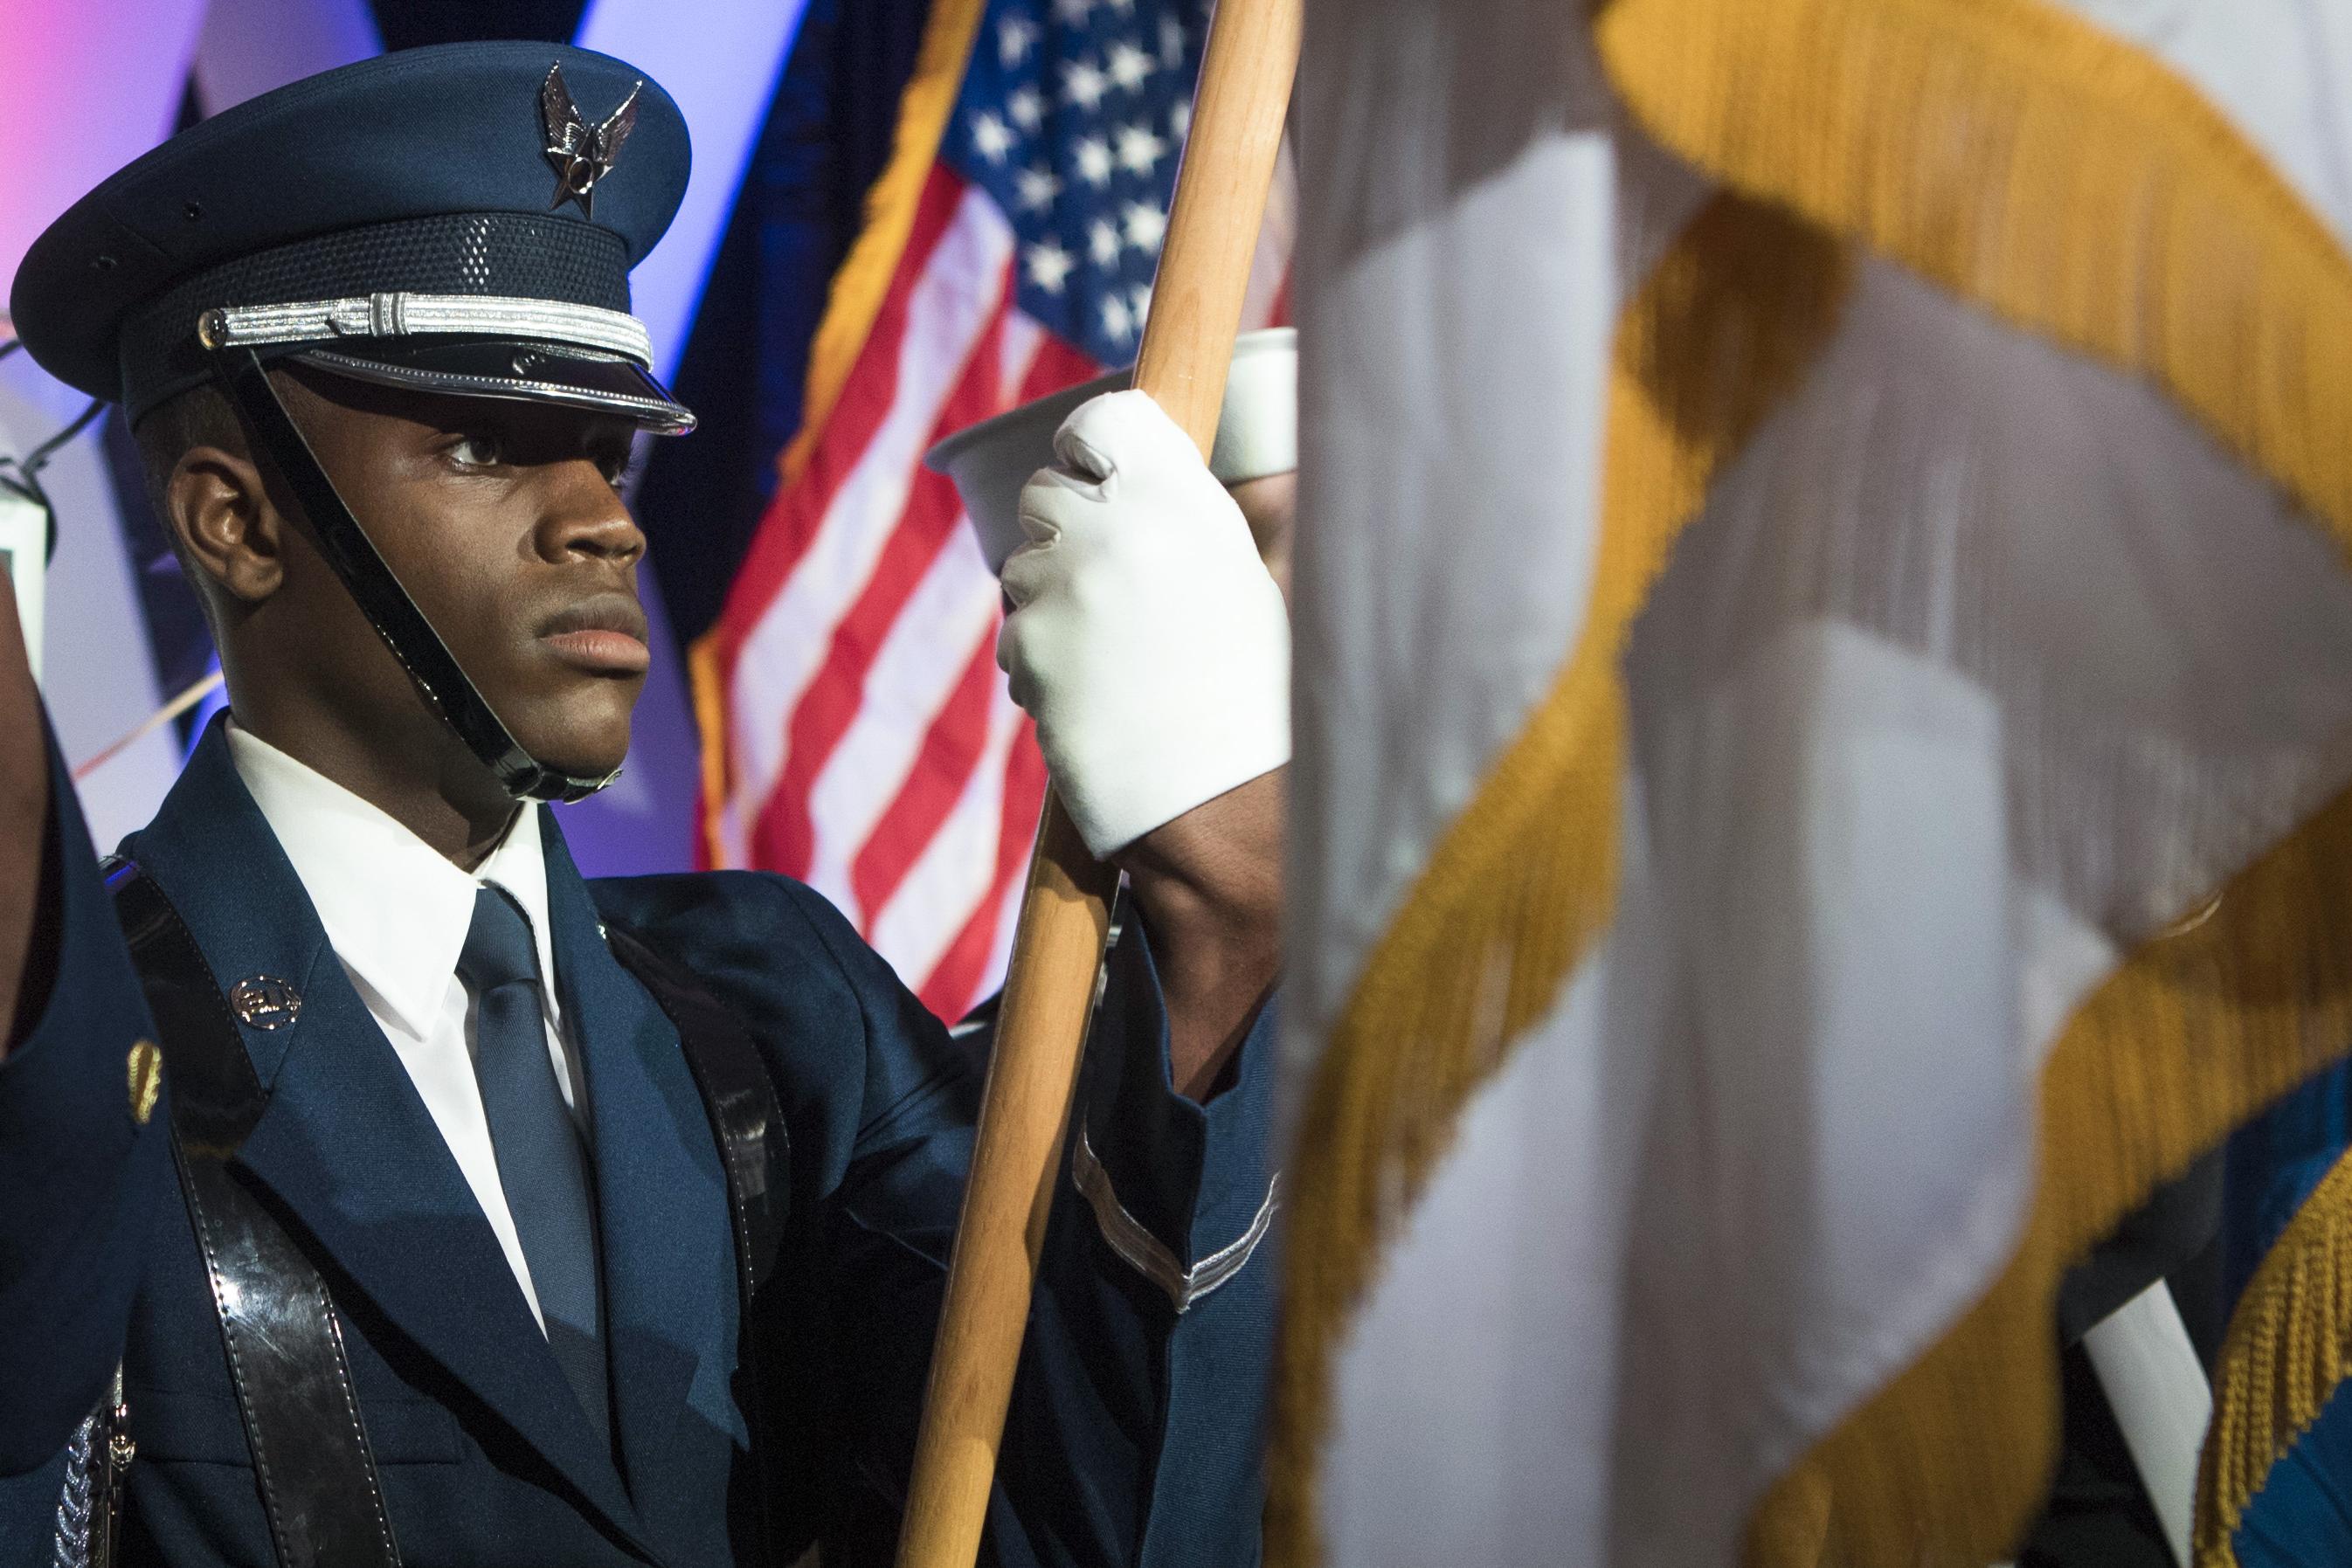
(1947, 1463)
(855, 299)
(2071, 184)
(2288, 1348)
(2041, 167)
(1526, 875)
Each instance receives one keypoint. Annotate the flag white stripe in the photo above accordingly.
(957, 869)
(920, 662)
(951, 305)
(1023, 338)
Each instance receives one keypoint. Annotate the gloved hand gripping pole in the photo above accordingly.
(1250, 62)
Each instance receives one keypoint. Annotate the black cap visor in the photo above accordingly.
(513, 369)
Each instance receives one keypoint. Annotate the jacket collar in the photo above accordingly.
(395, 910)
(346, 1144)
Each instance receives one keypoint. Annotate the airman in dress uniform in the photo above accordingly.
(399, 1194)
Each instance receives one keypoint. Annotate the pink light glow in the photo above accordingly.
(89, 86)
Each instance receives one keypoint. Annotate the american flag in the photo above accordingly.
(857, 730)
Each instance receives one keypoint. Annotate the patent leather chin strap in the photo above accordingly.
(279, 442)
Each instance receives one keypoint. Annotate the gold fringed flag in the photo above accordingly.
(1822, 556)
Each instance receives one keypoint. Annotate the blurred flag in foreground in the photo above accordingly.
(1824, 677)
(855, 729)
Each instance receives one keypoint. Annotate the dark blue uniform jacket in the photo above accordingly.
(1134, 1430)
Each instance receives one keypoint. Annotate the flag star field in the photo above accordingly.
(1071, 117)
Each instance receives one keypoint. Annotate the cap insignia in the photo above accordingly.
(581, 154)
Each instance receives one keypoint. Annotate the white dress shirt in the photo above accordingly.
(397, 914)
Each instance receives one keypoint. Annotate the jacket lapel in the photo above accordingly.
(346, 1143)
(669, 1260)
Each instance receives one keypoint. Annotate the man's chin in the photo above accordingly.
(597, 761)
(576, 727)
(593, 755)
(597, 772)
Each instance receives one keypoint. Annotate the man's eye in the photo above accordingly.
(614, 463)
(475, 452)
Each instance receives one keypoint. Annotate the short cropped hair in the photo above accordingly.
(200, 416)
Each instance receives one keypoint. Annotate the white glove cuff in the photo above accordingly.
(1183, 747)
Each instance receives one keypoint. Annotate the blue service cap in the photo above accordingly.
(456, 219)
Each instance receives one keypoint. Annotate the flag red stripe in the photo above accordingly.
(955, 982)
(798, 511)
(943, 767)
(1058, 365)
(785, 836)
(961, 977)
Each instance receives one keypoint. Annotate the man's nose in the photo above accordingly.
(584, 516)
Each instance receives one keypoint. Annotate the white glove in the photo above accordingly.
(1146, 638)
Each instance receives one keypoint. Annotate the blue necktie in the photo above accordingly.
(541, 1164)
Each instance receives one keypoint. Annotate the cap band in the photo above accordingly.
(486, 255)
(406, 315)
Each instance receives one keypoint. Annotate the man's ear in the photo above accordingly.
(221, 515)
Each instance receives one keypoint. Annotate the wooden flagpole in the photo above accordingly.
(1246, 71)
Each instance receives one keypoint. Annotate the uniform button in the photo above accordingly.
(146, 1074)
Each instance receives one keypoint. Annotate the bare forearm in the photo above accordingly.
(1209, 885)
(24, 820)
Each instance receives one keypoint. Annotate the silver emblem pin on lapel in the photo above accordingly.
(265, 1001)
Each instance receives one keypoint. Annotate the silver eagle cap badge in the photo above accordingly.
(583, 154)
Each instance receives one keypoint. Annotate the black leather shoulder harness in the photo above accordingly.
(278, 1320)
(278, 1323)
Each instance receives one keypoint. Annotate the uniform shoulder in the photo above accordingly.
(758, 945)
(846, 1039)
(688, 912)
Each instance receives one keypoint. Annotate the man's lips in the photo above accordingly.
(605, 635)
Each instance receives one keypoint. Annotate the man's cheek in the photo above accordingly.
(464, 601)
